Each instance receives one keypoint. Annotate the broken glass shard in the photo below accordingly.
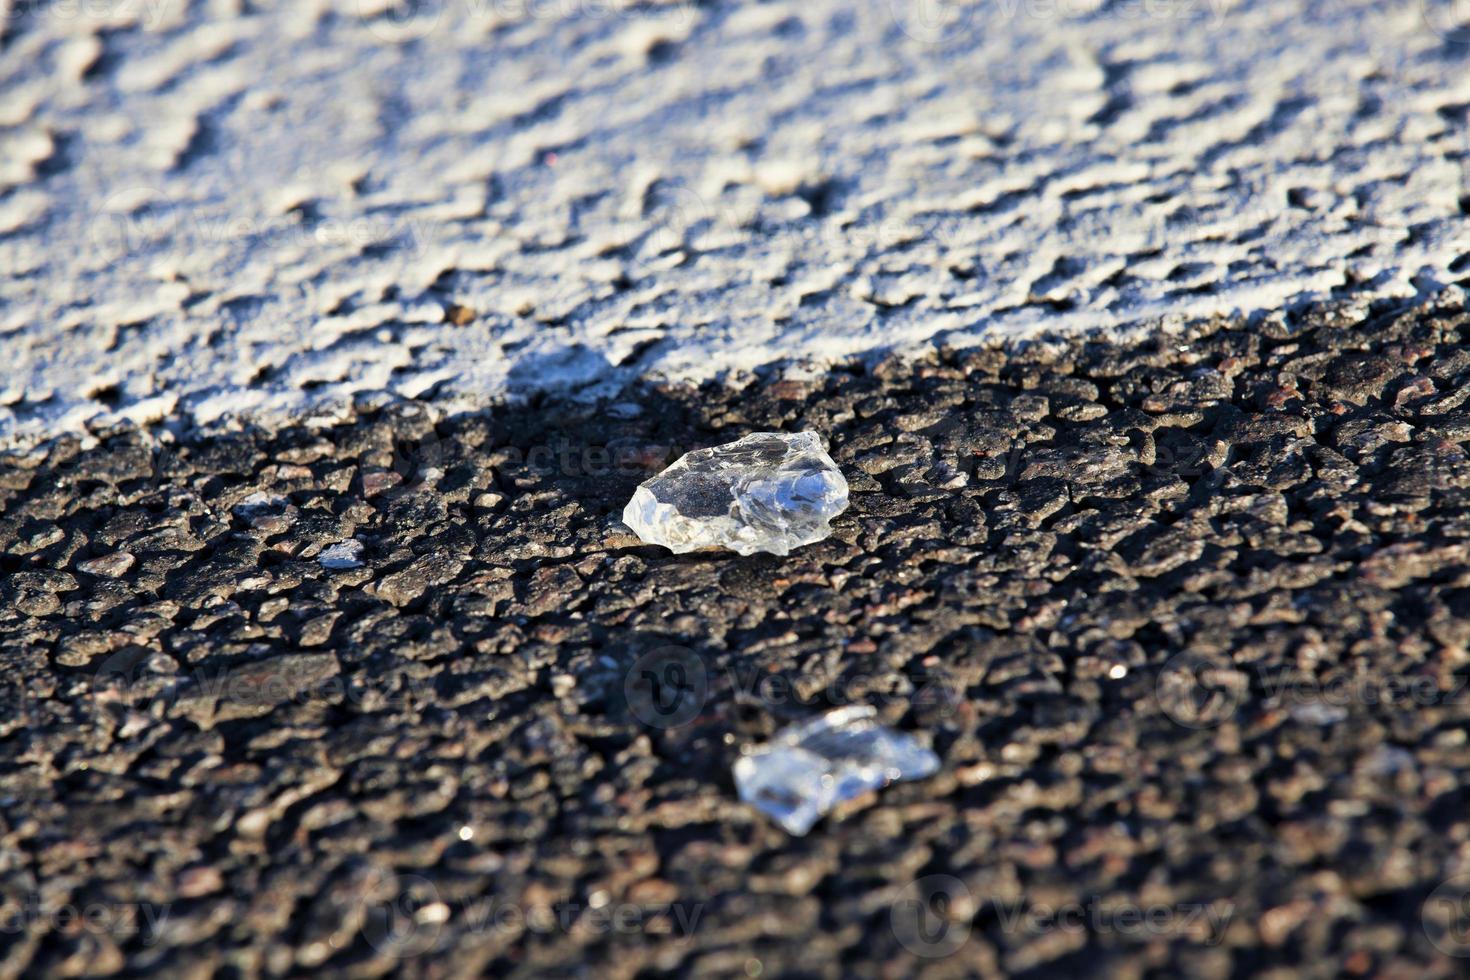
(268, 512)
(771, 491)
(809, 768)
(340, 557)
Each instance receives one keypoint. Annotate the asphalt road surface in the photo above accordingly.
(1185, 621)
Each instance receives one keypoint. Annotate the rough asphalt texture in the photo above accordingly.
(1186, 623)
(209, 208)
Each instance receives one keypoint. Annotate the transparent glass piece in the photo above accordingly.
(771, 491)
(340, 557)
(809, 768)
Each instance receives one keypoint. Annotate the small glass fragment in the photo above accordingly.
(771, 491)
(268, 512)
(809, 768)
(340, 557)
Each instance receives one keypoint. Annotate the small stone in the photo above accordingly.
(459, 315)
(376, 482)
(340, 557)
(809, 768)
(490, 501)
(200, 881)
(114, 565)
(771, 491)
(35, 536)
